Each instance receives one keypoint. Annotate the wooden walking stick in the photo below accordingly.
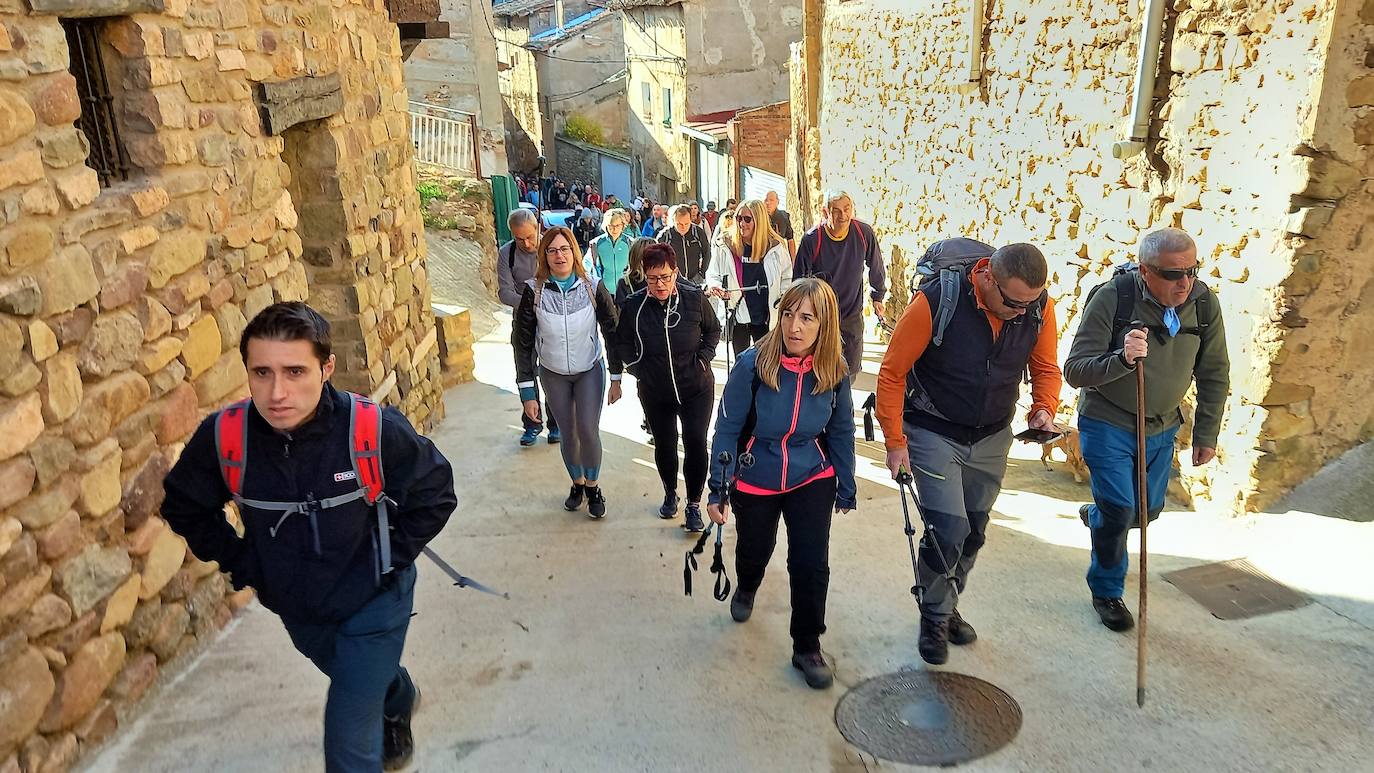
(1143, 510)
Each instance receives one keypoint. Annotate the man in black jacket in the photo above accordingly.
(320, 569)
(690, 243)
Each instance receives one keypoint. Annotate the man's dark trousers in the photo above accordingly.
(852, 342)
(526, 421)
(362, 658)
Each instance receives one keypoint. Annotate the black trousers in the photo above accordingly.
(807, 512)
(743, 334)
(663, 416)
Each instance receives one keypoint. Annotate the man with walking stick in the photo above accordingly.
(1129, 412)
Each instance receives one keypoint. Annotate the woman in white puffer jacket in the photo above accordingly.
(750, 269)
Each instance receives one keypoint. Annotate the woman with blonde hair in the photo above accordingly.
(786, 426)
(608, 254)
(555, 327)
(749, 271)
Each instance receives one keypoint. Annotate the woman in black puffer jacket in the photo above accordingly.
(667, 336)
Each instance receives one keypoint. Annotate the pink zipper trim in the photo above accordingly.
(820, 451)
(796, 409)
(749, 488)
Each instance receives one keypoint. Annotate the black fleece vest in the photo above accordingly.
(966, 388)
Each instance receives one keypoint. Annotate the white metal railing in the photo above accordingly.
(445, 138)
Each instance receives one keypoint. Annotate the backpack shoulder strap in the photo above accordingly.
(231, 444)
(949, 297)
(1127, 293)
(510, 257)
(365, 450)
(365, 438)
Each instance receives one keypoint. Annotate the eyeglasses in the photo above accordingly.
(1175, 274)
(565, 250)
(1009, 302)
(659, 279)
(744, 218)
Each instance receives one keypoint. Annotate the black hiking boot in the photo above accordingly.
(694, 523)
(1114, 614)
(742, 606)
(1083, 514)
(814, 668)
(669, 508)
(574, 499)
(398, 745)
(934, 641)
(960, 632)
(596, 503)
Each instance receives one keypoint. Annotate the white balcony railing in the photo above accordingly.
(445, 138)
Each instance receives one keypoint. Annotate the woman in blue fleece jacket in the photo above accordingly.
(787, 420)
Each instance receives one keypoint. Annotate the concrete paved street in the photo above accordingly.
(599, 663)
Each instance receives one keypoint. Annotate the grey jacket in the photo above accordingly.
(511, 279)
(1197, 353)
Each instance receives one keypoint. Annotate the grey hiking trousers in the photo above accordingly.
(957, 484)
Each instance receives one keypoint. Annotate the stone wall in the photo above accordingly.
(121, 309)
(1258, 107)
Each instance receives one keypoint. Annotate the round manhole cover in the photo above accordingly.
(928, 717)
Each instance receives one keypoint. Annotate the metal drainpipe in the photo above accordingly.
(1146, 70)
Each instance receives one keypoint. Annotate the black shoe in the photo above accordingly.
(693, 522)
(934, 641)
(574, 499)
(669, 507)
(398, 745)
(960, 632)
(1083, 514)
(596, 503)
(741, 606)
(1114, 614)
(814, 668)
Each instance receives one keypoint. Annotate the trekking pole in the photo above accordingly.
(1142, 511)
(906, 485)
(903, 482)
(689, 564)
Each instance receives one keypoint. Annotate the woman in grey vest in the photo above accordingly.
(557, 319)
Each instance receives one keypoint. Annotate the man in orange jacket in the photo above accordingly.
(946, 410)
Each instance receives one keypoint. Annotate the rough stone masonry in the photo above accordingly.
(1263, 123)
(269, 159)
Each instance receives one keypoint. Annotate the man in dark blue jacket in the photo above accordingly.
(320, 569)
(843, 251)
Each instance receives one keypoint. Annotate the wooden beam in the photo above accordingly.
(284, 104)
(78, 9)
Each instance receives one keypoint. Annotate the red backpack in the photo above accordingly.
(364, 429)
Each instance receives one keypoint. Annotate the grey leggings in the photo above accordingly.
(575, 403)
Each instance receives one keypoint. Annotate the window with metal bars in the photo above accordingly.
(107, 156)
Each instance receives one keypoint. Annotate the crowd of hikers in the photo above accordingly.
(338, 497)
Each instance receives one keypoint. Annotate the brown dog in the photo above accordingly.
(1068, 443)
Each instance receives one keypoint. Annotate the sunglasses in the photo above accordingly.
(1175, 274)
(1015, 304)
(744, 218)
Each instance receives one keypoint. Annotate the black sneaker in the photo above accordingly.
(960, 632)
(1114, 614)
(574, 499)
(596, 503)
(1083, 514)
(398, 745)
(934, 641)
(741, 606)
(669, 507)
(814, 668)
(693, 522)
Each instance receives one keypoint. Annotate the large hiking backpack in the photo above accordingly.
(364, 432)
(1128, 293)
(943, 263)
